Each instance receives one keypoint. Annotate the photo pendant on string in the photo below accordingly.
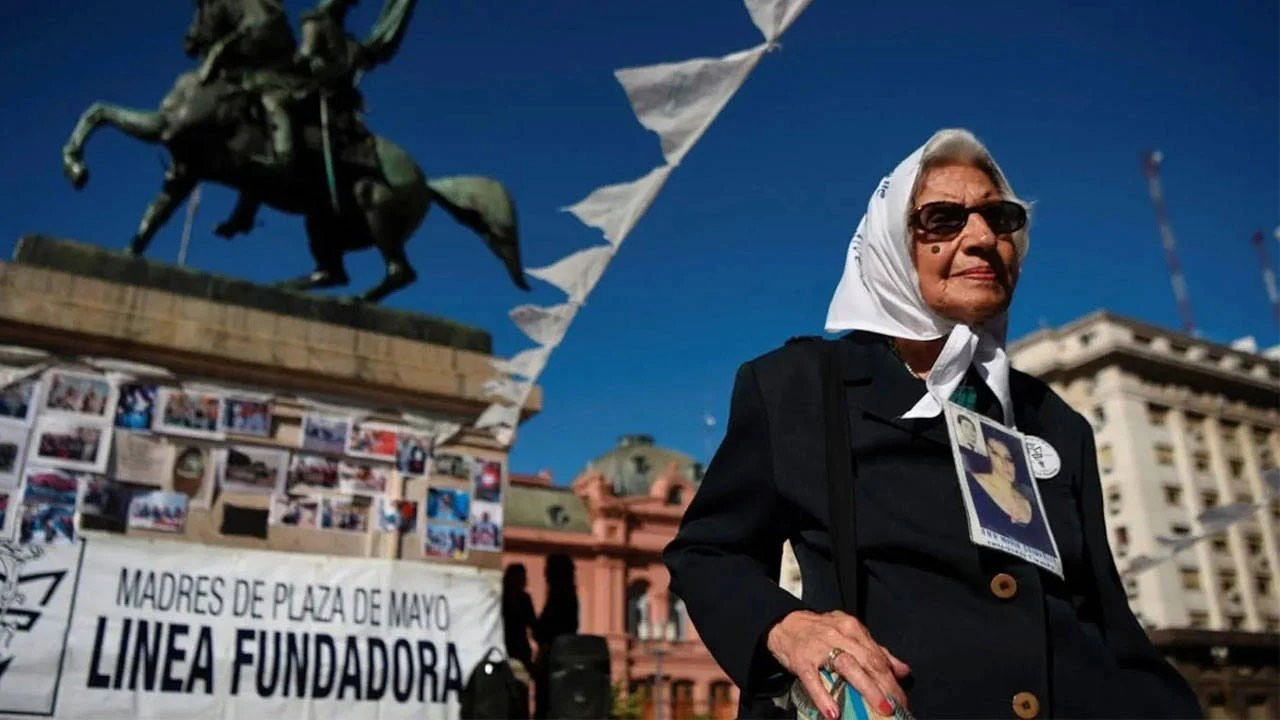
(1001, 498)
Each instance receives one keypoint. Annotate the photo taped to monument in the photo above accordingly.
(18, 401)
(79, 393)
(135, 408)
(1000, 495)
(325, 433)
(363, 478)
(312, 472)
(188, 413)
(413, 452)
(253, 470)
(373, 441)
(244, 416)
(49, 506)
(158, 510)
(194, 466)
(13, 449)
(70, 442)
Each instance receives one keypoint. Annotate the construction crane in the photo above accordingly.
(1151, 160)
(1268, 275)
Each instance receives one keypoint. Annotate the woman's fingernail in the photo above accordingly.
(832, 712)
(886, 708)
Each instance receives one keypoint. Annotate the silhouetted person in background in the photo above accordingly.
(518, 617)
(559, 617)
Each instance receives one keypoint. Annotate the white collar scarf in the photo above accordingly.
(880, 292)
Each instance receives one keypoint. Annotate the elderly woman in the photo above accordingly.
(897, 599)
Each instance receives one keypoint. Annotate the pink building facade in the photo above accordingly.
(613, 523)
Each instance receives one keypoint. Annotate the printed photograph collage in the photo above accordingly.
(78, 451)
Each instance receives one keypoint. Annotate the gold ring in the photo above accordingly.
(830, 664)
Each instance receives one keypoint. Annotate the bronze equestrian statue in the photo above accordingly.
(281, 123)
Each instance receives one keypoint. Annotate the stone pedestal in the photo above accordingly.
(78, 301)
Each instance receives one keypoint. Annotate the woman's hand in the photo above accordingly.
(804, 641)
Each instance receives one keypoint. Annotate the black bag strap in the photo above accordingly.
(840, 474)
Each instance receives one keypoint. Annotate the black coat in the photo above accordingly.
(925, 591)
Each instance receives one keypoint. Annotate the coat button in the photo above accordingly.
(1004, 586)
(1026, 705)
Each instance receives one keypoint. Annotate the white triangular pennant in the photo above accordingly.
(773, 17)
(1142, 562)
(509, 389)
(576, 274)
(544, 325)
(499, 415)
(504, 435)
(615, 209)
(679, 100)
(1223, 516)
(526, 363)
(12, 376)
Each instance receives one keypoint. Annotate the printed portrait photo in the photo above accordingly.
(967, 434)
(49, 506)
(79, 393)
(135, 409)
(325, 434)
(363, 478)
(294, 511)
(397, 515)
(250, 469)
(451, 466)
(350, 514)
(311, 472)
(247, 417)
(71, 443)
(18, 400)
(1001, 499)
(192, 414)
(158, 510)
(444, 541)
(488, 480)
(373, 441)
(13, 446)
(486, 526)
(104, 498)
(413, 453)
(448, 504)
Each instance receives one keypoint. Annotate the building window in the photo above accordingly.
(1157, 415)
(1227, 580)
(638, 610)
(722, 705)
(1173, 494)
(1262, 584)
(1209, 498)
(682, 700)
(1180, 530)
(675, 495)
(1130, 588)
(1113, 500)
(1253, 543)
(677, 619)
(1164, 455)
(1198, 619)
(1099, 416)
(1272, 623)
(1235, 621)
(1219, 544)
(1201, 461)
(1104, 458)
(1122, 540)
(1236, 466)
(1245, 497)
(1190, 578)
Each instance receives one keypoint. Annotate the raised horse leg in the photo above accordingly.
(145, 125)
(177, 186)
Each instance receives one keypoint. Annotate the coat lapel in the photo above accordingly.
(879, 389)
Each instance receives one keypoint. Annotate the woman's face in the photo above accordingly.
(970, 275)
(1001, 460)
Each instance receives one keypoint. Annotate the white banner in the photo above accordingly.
(499, 415)
(544, 325)
(164, 629)
(526, 363)
(615, 209)
(679, 100)
(773, 17)
(578, 273)
(509, 389)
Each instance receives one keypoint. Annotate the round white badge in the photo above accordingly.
(1045, 462)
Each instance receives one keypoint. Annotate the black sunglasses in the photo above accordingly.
(949, 218)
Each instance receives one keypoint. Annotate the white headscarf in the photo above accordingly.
(880, 291)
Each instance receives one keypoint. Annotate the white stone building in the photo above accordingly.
(1182, 425)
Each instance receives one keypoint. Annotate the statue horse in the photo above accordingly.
(355, 190)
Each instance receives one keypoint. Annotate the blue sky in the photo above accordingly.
(745, 243)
